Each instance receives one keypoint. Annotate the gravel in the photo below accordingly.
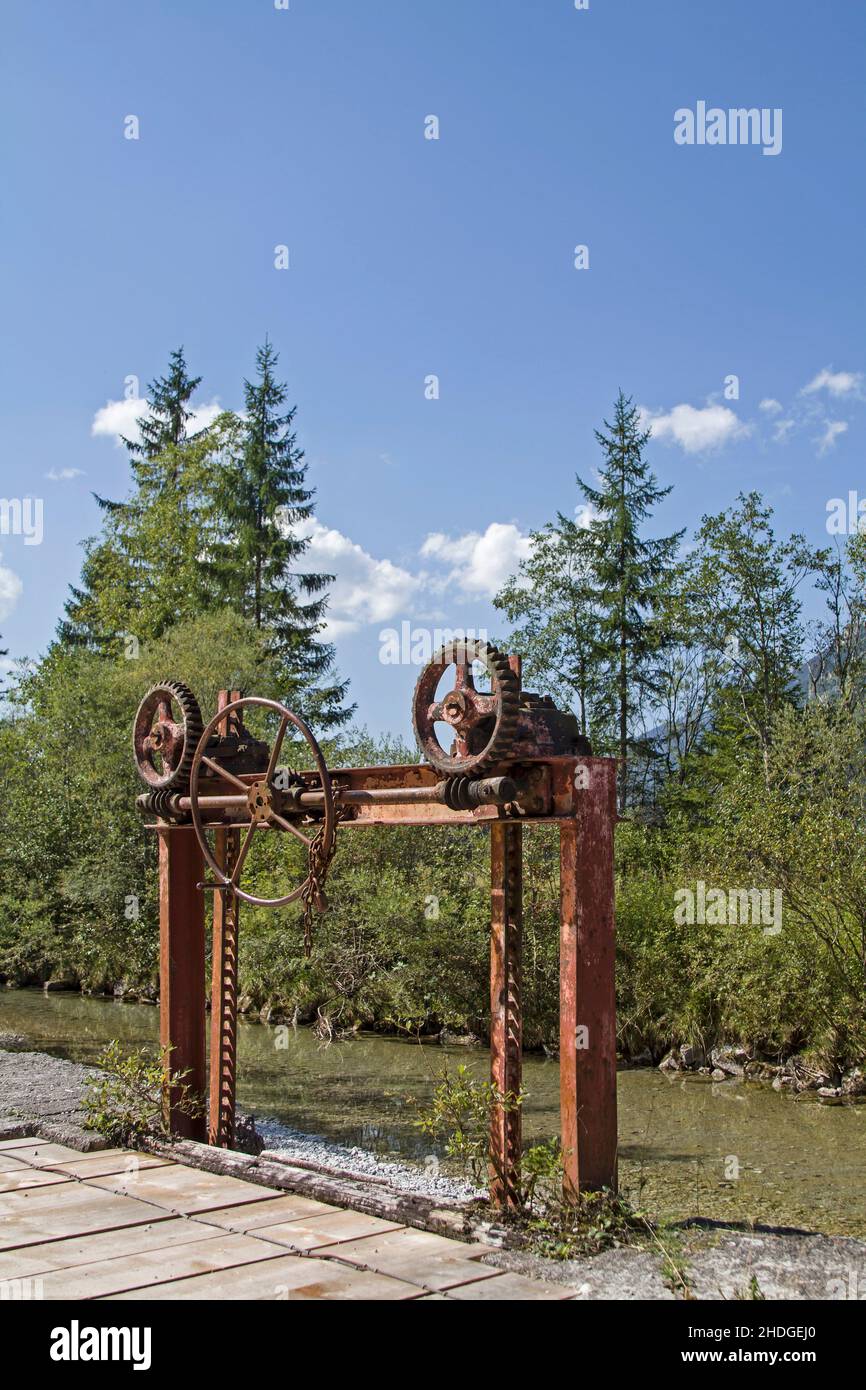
(291, 1145)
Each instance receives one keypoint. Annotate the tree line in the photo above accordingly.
(738, 725)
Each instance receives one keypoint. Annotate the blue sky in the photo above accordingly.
(412, 257)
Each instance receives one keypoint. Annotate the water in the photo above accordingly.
(730, 1151)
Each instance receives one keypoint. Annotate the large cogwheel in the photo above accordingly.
(165, 735)
(484, 724)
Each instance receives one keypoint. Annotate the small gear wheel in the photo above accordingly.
(484, 724)
(163, 744)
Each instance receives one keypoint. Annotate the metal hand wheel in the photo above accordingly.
(268, 802)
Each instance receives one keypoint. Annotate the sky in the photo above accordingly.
(429, 169)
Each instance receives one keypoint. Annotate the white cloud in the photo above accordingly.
(370, 590)
(11, 589)
(480, 563)
(837, 383)
(119, 419)
(770, 406)
(782, 429)
(695, 428)
(832, 430)
(366, 590)
(62, 475)
(584, 514)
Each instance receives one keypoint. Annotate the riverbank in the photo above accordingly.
(691, 1145)
(42, 1095)
(48, 1092)
(787, 1069)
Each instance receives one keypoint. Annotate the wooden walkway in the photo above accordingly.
(119, 1224)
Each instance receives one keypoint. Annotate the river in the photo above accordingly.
(728, 1151)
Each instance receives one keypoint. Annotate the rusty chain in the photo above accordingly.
(313, 894)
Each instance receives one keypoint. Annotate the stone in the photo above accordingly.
(692, 1057)
(449, 1039)
(671, 1062)
(642, 1059)
(729, 1059)
(760, 1071)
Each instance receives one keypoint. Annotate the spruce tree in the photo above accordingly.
(553, 601)
(629, 570)
(262, 503)
(168, 399)
(115, 576)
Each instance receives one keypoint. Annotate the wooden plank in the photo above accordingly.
(42, 1154)
(179, 1189)
(321, 1231)
(428, 1260)
(287, 1278)
(144, 1269)
(34, 1223)
(46, 1198)
(268, 1213)
(128, 1241)
(8, 1164)
(103, 1165)
(410, 1243)
(24, 1177)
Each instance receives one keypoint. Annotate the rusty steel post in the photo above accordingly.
(587, 1045)
(506, 1018)
(224, 985)
(182, 971)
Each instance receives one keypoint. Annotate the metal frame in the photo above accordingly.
(577, 793)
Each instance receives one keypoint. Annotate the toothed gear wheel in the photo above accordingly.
(163, 745)
(484, 723)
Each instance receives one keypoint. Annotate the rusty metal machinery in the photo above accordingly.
(512, 759)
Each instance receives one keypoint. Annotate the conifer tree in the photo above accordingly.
(116, 576)
(262, 503)
(168, 413)
(629, 570)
